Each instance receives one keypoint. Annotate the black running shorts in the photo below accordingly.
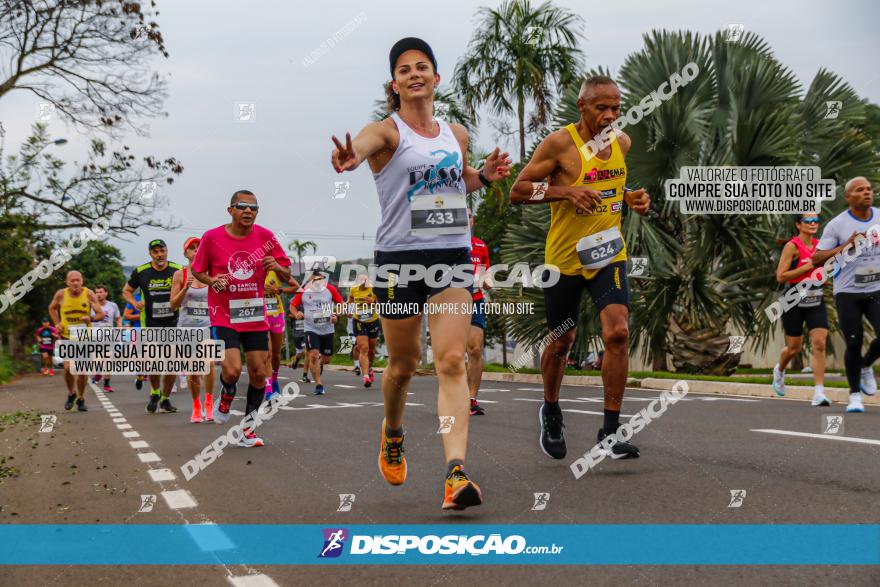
(794, 318)
(562, 301)
(322, 342)
(399, 301)
(247, 341)
(368, 329)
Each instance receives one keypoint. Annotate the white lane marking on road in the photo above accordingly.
(236, 412)
(530, 389)
(162, 475)
(179, 499)
(593, 413)
(345, 386)
(118, 420)
(148, 457)
(489, 401)
(253, 581)
(139, 444)
(176, 498)
(822, 436)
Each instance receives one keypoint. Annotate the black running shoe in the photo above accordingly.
(305, 378)
(619, 450)
(154, 403)
(166, 407)
(69, 403)
(552, 439)
(81, 405)
(357, 370)
(138, 383)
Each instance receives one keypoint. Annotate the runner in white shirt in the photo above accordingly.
(190, 296)
(315, 304)
(113, 318)
(422, 176)
(853, 238)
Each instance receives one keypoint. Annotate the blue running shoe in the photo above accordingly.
(319, 390)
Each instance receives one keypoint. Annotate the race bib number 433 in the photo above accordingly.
(439, 214)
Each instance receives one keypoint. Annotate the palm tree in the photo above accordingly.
(520, 55)
(710, 272)
(301, 247)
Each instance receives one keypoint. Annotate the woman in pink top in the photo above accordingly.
(796, 265)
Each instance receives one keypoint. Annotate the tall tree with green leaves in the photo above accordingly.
(518, 58)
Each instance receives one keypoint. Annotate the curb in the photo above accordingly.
(795, 392)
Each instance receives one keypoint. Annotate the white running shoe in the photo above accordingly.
(855, 403)
(778, 381)
(868, 384)
(819, 400)
(249, 439)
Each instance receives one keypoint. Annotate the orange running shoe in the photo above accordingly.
(392, 463)
(460, 492)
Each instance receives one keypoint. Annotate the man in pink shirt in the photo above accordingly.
(233, 260)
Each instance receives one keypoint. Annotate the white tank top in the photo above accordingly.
(422, 193)
(194, 308)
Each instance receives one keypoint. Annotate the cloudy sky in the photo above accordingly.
(223, 53)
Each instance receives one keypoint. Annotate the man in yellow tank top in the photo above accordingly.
(587, 195)
(366, 326)
(71, 308)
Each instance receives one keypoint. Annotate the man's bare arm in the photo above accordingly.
(54, 306)
(532, 185)
(820, 256)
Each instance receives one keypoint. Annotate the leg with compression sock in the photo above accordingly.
(255, 397)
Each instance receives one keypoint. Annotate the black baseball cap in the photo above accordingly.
(156, 243)
(408, 44)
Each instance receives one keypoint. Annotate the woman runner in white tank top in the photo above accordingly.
(422, 175)
(191, 296)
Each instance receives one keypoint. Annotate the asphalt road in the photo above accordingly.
(86, 471)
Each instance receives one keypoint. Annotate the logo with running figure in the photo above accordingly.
(445, 174)
(334, 542)
(832, 424)
(346, 500)
(737, 498)
(241, 265)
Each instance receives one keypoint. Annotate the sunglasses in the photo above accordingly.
(243, 206)
(809, 221)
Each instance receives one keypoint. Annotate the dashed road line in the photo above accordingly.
(178, 499)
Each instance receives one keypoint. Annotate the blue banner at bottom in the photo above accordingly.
(611, 544)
